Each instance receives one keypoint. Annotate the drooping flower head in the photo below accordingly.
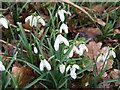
(61, 14)
(44, 64)
(60, 39)
(62, 68)
(64, 27)
(34, 20)
(72, 70)
(82, 48)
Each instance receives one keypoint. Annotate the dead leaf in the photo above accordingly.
(93, 49)
(89, 32)
(115, 74)
(22, 74)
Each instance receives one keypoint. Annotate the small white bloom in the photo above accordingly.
(60, 39)
(82, 47)
(35, 50)
(2, 67)
(34, 20)
(73, 70)
(44, 63)
(102, 57)
(74, 49)
(62, 68)
(4, 22)
(61, 14)
(112, 53)
(64, 27)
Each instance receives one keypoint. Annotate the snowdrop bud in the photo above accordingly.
(60, 39)
(2, 67)
(82, 48)
(64, 27)
(44, 63)
(62, 68)
(35, 50)
(4, 22)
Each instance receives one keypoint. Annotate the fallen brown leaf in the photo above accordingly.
(115, 74)
(22, 74)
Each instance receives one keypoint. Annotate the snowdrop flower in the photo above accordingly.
(105, 56)
(101, 57)
(4, 22)
(35, 50)
(82, 47)
(61, 14)
(72, 70)
(60, 39)
(64, 27)
(74, 49)
(62, 68)
(44, 63)
(2, 67)
(34, 20)
(112, 53)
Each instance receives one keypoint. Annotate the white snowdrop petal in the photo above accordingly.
(64, 27)
(81, 51)
(73, 75)
(75, 49)
(64, 40)
(63, 11)
(4, 22)
(41, 66)
(101, 58)
(61, 14)
(42, 21)
(68, 67)
(75, 66)
(2, 67)
(62, 68)
(47, 65)
(56, 44)
(113, 53)
(28, 18)
(70, 54)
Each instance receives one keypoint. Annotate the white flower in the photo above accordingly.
(61, 14)
(34, 20)
(62, 68)
(82, 47)
(72, 70)
(74, 49)
(101, 57)
(64, 27)
(112, 53)
(4, 22)
(44, 63)
(35, 50)
(60, 39)
(2, 67)
(104, 56)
